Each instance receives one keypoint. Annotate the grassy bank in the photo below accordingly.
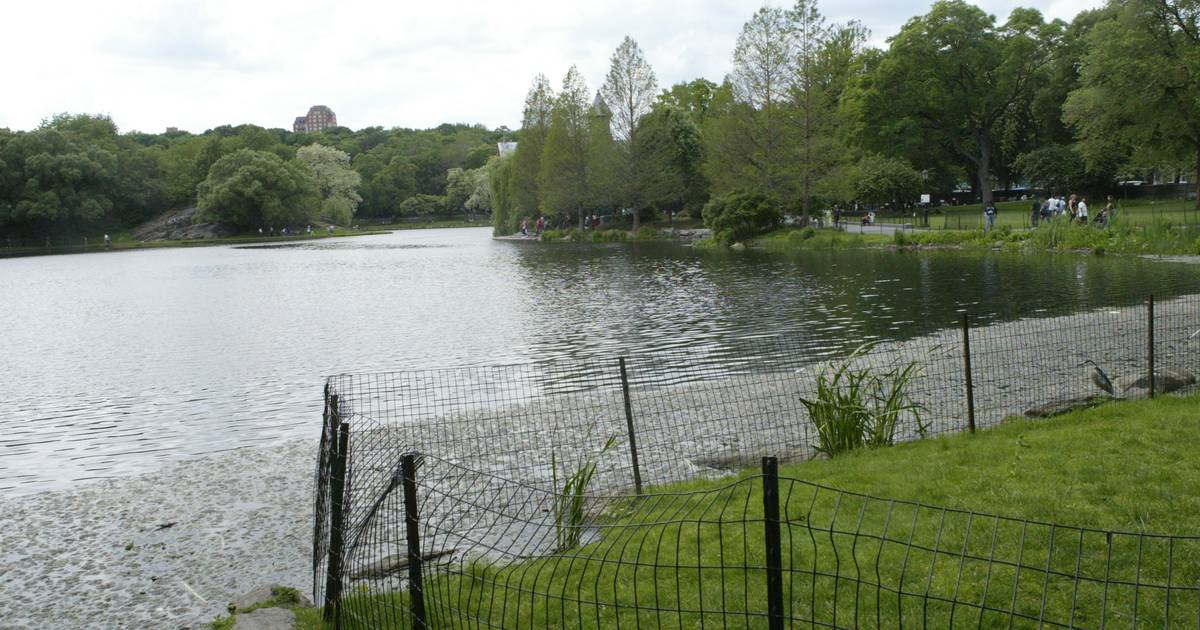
(124, 242)
(428, 225)
(1015, 214)
(698, 546)
(1122, 236)
(575, 235)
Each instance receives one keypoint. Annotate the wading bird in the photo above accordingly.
(1099, 377)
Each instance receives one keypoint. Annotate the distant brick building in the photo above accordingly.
(319, 117)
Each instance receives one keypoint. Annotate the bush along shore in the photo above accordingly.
(1158, 237)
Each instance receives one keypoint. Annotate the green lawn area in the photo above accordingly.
(1015, 214)
(693, 554)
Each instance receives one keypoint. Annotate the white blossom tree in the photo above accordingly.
(337, 182)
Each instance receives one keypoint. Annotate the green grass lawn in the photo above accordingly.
(1015, 214)
(693, 554)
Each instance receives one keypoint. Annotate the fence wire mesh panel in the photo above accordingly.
(501, 447)
(498, 553)
(857, 561)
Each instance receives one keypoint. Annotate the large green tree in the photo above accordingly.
(49, 181)
(536, 119)
(753, 147)
(827, 59)
(669, 150)
(1141, 83)
(335, 180)
(563, 178)
(950, 79)
(628, 92)
(251, 188)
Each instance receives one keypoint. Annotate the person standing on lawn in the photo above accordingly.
(989, 214)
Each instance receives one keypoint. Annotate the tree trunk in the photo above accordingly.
(579, 211)
(635, 220)
(983, 170)
(806, 206)
(1197, 182)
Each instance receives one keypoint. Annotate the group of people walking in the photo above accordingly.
(1074, 208)
(539, 225)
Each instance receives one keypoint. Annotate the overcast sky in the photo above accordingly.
(197, 64)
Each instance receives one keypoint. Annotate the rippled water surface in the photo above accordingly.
(114, 363)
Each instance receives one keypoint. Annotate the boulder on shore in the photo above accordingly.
(1065, 405)
(266, 619)
(178, 225)
(271, 594)
(1138, 385)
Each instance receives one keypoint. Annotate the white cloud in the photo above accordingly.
(197, 64)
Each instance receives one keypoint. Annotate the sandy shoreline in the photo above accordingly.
(97, 556)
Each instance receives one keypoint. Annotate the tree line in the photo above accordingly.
(76, 173)
(810, 115)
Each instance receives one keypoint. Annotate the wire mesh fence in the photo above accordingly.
(499, 444)
(759, 551)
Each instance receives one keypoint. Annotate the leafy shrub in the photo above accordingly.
(609, 236)
(421, 206)
(255, 188)
(739, 216)
(647, 233)
(857, 408)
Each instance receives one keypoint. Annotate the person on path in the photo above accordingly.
(1035, 212)
(541, 224)
(989, 214)
(524, 227)
(1110, 210)
(1081, 210)
(1071, 206)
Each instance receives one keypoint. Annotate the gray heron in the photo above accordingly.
(1100, 378)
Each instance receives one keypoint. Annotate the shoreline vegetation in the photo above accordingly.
(124, 241)
(1165, 229)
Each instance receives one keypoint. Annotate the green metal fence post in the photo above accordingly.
(774, 547)
(633, 452)
(416, 589)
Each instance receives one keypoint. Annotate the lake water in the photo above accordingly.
(114, 363)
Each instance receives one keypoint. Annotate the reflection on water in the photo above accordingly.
(114, 363)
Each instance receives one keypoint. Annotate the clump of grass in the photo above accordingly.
(647, 233)
(861, 408)
(570, 498)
